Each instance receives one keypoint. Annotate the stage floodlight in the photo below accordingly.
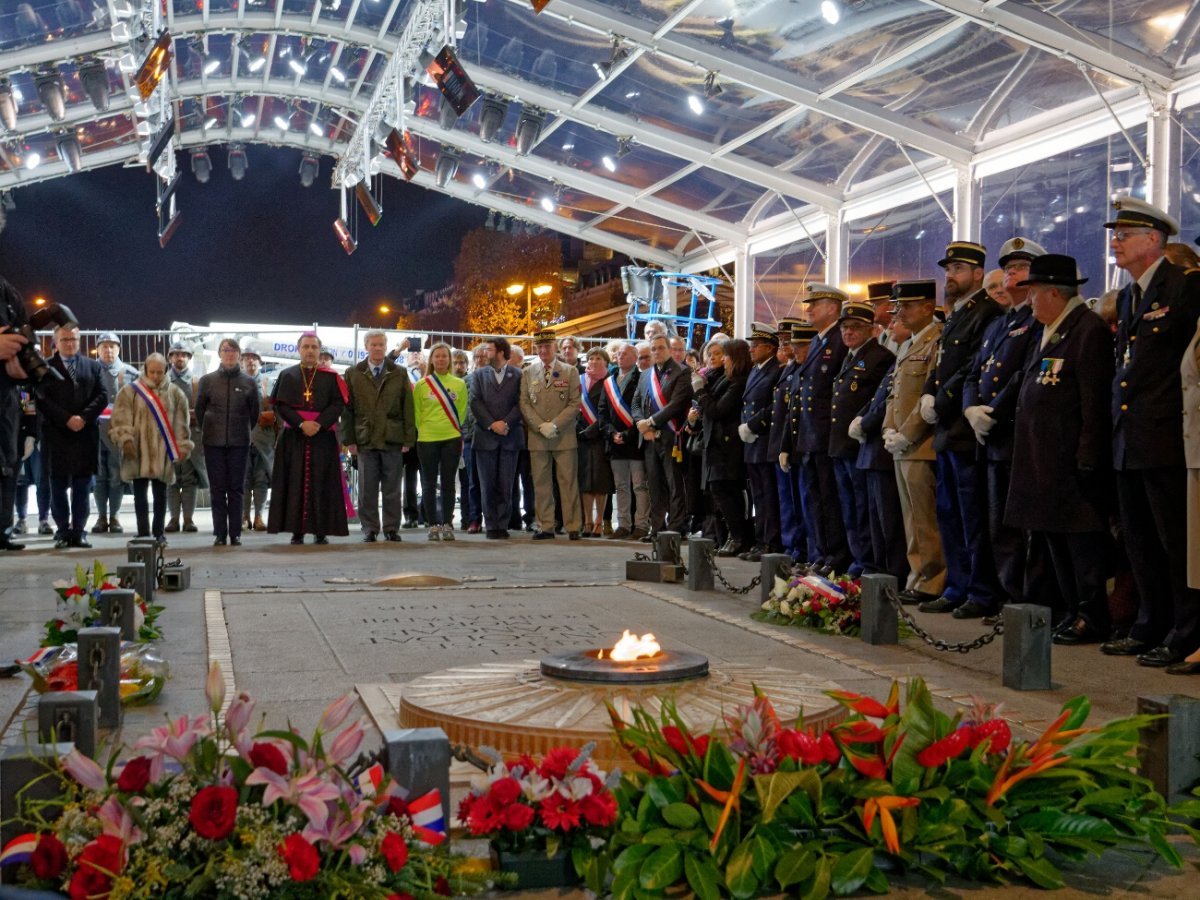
(70, 151)
(337, 74)
(618, 55)
(491, 118)
(283, 123)
(33, 160)
(446, 166)
(367, 201)
(52, 91)
(94, 78)
(237, 162)
(8, 105)
(454, 83)
(529, 128)
(158, 60)
(400, 146)
(201, 165)
(310, 168)
(711, 88)
(345, 238)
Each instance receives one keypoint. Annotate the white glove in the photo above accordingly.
(783, 462)
(928, 413)
(549, 430)
(30, 446)
(898, 445)
(746, 434)
(856, 431)
(981, 423)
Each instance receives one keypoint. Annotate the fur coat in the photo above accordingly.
(131, 421)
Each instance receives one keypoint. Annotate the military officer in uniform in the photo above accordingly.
(909, 438)
(809, 426)
(550, 392)
(755, 432)
(879, 295)
(1156, 319)
(971, 588)
(795, 335)
(990, 407)
(862, 370)
(1061, 458)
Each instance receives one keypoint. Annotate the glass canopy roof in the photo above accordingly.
(669, 126)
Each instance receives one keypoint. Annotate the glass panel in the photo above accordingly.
(901, 244)
(888, 158)
(780, 277)
(371, 13)
(601, 154)
(38, 21)
(1189, 175)
(1048, 83)
(712, 192)
(644, 228)
(1148, 26)
(1062, 202)
(809, 144)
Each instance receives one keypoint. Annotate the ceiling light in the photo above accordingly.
(257, 63)
(52, 92)
(548, 204)
(201, 165)
(624, 146)
(337, 74)
(70, 152)
(211, 64)
(491, 118)
(446, 166)
(695, 104)
(310, 168)
(33, 160)
(8, 105)
(247, 119)
(210, 122)
(94, 78)
(315, 128)
(831, 12)
(282, 123)
(529, 128)
(479, 180)
(618, 55)
(726, 40)
(609, 163)
(237, 162)
(297, 65)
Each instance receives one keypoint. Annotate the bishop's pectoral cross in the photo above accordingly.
(307, 395)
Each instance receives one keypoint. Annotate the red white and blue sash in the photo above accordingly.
(19, 850)
(657, 397)
(617, 402)
(161, 419)
(585, 403)
(443, 397)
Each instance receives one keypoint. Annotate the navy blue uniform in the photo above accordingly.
(757, 403)
(792, 529)
(889, 551)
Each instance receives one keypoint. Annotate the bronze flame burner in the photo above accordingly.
(586, 665)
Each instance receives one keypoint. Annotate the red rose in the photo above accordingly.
(49, 857)
(214, 810)
(464, 807)
(948, 748)
(100, 862)
(441, 886)
(301, 857)
(505, 791)
(135, 776)
(403, 895)
(599, 809)
(394, 850)
(267, 756)
(517, 816)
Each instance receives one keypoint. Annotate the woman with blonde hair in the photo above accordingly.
(440, 401)
(150, 424)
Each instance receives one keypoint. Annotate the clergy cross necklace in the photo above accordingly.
(308, 382)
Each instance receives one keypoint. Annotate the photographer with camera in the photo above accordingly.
(12, 318)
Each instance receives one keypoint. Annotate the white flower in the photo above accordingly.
(785, 608)
(769, 604)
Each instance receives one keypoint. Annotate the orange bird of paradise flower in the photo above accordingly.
(883, 806)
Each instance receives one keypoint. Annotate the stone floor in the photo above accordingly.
(306, 624)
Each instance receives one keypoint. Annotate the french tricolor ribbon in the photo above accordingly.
(617, 402)
(19, 850)
(368, 782)
(106, 413)
(44, 654)
(443, 397)
(657, 397)
(428, 821)
(826, 589)
(585, 404)
(161, 419)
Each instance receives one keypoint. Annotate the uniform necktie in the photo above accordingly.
(1137, 297)
(546, 374)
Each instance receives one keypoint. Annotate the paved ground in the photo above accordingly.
(305, 625)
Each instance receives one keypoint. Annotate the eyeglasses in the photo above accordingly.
(1022, 266)
(644, 356)
(1122, 236)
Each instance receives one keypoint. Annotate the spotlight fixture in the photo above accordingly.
(624, 147)
(310, 168)
(400, 146)
(711, 88)
(447, 114)
(315, 129)
(337, 74)
(299, 63)
(247, 119)
(237, 162)
(609, 163)
(726, 40)
(94, 78)
(70, 152)
(33, 160)
(831, 11)
(548, 204)
(210, 122)
(529, 129)
(367, 201)
(619, 54)
(201, 165)
(8, 105)
(282, 123)
(451, 79)
(695, 104)
(155, 66)
(52, 92)
(256, 64)
(345, 238)
(212, 62)
(491, 118)
(446, 166)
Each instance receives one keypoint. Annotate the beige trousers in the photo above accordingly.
(566, 468)
(917, 482)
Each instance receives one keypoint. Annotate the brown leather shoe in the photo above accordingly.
(259, 524)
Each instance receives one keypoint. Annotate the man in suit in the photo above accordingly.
(809, 429)
(1061, 487)
(495, 396)
(1156, 319)
(971, 589)
(909, 438)
(191, 475)
(796, 336)
(625, 446)
(661, 403)
(550, 392)
(990, 408)
(71, 410)
(755, 430)
(862, 370)
(109, 488)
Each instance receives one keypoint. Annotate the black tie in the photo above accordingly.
(376, 369)
(1136, 293)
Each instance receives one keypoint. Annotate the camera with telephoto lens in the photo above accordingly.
(29, 356)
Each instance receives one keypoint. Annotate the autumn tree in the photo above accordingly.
(488, 262)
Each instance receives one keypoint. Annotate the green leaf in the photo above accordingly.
(819, 889)
(294, 739)
(681, 815)
(1041, 872)
(775, 788)
(663, 792)
(702, 877)
(793, 867)
(852, 870)
(763, 854)
(739, 872)
(877, 882)
(718, 766)
(630, 857)
(1051, 823)
(647, 813)
(1080, 707)
(1164, 848)
(663, 868)
(658, 836)
(625, 883)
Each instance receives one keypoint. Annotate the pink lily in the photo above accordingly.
(338, 827)
(237, 717)
(357, 853)
(173, 740)
(115, 820)
(307, 791)
(214, 687)
(335, 714)
(84, 770)
(346, 744)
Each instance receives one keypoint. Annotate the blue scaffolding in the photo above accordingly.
(646, 292)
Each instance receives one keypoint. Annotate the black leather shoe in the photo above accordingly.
(730, 548)
(494, 534)
(101, 527)
(940, 605)
(1184, 668)
(504, 535)
(910, 597)
(745, 554)
(321, 539)
(1126, 646)
(190, 526)
(971, 611)
(1076, 633)
(61, 544)
(82, 542)
(410, 523)
(297, 539)
(573, 535)
(1161, 657)
(369, 537)
(6, 544)
(393, 537)
(235, 542)
(219, 542)
(647, 538)
(543, 535)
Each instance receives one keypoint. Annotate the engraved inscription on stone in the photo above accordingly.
(497, 635)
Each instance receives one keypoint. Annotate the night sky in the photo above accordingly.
(257, 250)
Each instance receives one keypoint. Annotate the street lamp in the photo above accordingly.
(541, 290)
(384, 308)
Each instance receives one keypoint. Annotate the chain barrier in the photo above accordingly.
(711, 557)
(937, 643)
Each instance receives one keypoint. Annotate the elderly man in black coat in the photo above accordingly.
(71, 409)
(1062, 468)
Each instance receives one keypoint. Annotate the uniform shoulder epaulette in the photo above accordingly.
(1191, 270)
